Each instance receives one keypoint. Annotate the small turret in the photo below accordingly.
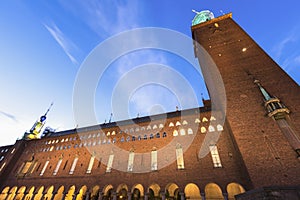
(37, 127)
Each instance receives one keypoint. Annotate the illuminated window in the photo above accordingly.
(161, 126)
(130, 161)
(175, 133)
(110, 163)
(73, 165)
(171, 124)
(215, 156)
(212, 118)
(179, 157)
(184, 122)
(44, 168)
(113, 133)
(91, 163)
(2, 157)
(57, 166)
(154, 127)
(178, 123)
(153, 160)
(197, 121)
(203, 129)
(149, 127)
(137, 129)
(2, 166)
(26, 167)
(204, 119)
(108, 133)
(13, 151)
(190, 131)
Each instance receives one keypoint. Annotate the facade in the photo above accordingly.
(251, 152)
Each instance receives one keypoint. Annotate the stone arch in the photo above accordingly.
(213, 191)
(170, 190)
(70, 193)
(122, 191)
(234, 189)
(4, 193)
(30, 194)
(82, 192)
(137, 191)
(95, 192)
(155, 189)
(49, 193)
(20, 193)
(192, 191)
(39, 193)
(59, 194)
(107, 192)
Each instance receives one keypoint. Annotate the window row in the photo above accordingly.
(29, 167)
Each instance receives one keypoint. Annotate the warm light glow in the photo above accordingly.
(216, 25)
(244, 49)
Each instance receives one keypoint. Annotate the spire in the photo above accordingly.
(274, 107)
(37, 126)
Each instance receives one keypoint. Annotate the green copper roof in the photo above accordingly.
(202, 16)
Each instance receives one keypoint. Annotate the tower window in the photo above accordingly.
(91, 163)
(57, 166)
(215, 155)
(110, 163)
(130, 161)
(154, 160)
(73, 165)
(44, 168)
(179, 157)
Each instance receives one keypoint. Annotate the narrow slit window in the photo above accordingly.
(154, 160)
(44, 168)
(73, 166)
(179, 157)
(110, 163)
(215, 156)
(130, 161)
(57, 166)
(91, 163)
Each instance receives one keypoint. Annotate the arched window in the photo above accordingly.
(190, 131)
(130, 161)
(178, 123)
(204, 119)
(184, 122)
(128, 139)
(151, 136)
(155, 126)
(137, 129)
(203, 129)
(110, 163)
(145, 137)
(215, 155)
(114, 140)
(211, 128)
(197, 120)
(161, 125)
(175, 133)
(133, 138)
(171, 124)
(113, 133)
(108, 133)
(131, 130)
(219, 127)
(148, 127)
(139, 137)
(179, 157)
(164, 134)
(182, 131)
(154, 160)
(212, 118)
(122, 139)
(91, 163)
(157, 135)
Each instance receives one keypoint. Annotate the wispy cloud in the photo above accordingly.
(10, 116)
(66, 44)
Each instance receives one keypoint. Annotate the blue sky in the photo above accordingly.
(44, 43)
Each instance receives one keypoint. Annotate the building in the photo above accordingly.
(250, 152)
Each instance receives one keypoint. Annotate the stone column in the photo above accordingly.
(129, 194)
(100, 197)
(225, 195)
(114, 196)
(203, 196)
(182, 195)
(74, 195)
(146, 196)
(163, 196)
(87, 195)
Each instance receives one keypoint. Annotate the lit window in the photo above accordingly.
(211, 128)
(94, 135)
(171, 124)
(219, 127)
(161, 126)
(212, 118)
(215, 156)
(184, 122)
(44, 168)
(190, 131)
(131, 130)
(51, 149)
(2, 157)
(2, 166)
(137, 129)
(203, 129)
(175, 133)
(153, 160)
(62, 140)
(73, 165)
(130, 161)
(110, 163)
(197, 121)
(91, 163)
(128, 139)
(57, 166)
(204, 119)
(26, 167)
(108, 134)
(143, 128)
(179, 157)
(178, 123)
(155, 126)
(13, 151)
(149, 127)
(113, 133)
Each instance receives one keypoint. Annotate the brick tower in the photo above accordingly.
(262, 101)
